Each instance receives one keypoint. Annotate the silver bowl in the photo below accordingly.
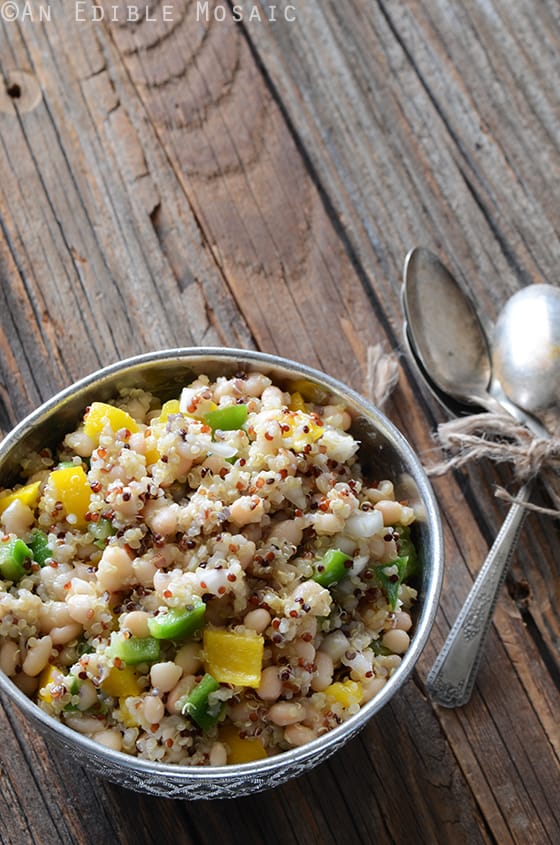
(382, 448)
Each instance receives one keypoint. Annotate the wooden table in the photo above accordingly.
(200, 181)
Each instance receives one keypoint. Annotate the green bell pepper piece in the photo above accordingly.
(331, 568)
(102, 530)
(407, 549)
(231, 418)
(39, 545)
(390, 583)
(177, 623)
(13, 555)
(133, 650)
(196, 704)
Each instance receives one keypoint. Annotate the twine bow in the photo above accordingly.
(487, 435)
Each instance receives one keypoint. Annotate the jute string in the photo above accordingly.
(496, 437)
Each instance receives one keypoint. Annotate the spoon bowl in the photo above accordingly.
(453, 351)
(526, 356)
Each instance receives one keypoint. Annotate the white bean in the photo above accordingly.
(396, 640)
(37, 656)
(17, 518)
(335, 644)
(153, 709)
(144, 570)
(299, 734)
(9, 657)
(218, 754)
(54, 614)
(189, 658)
(137, 623)
(328, 523)
(255, 384)
(162, 518)
(324, 674)
(80, 607)
(115, 569)
(270, 686)
(84, 724)
(87, 694)
(403, 620)
(65, 633)
(110, 738)
(257, 620)
(246, 509)
(289, 530)
(371, 686)
(164, 676)
(286, 713)
(80, 443)
(183, 688)
(304, 650)
(391, 511)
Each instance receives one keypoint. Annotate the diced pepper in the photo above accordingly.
(379, 649)
(297, 402)
(101, 530)
(300, 430)
(133, 650)
(170, 407)
(197, 706)
(332, 568)
(233, 658)
(121, 682)
(177, 623)
(241, 749)
(310, 391)
(50, 675)
(348, 693)
(13, 554)
(125, 714)
(100, 414)
(390, 576)
(28, 495)
(231, 418)
(39, 545)
(71, 488)
(407, 549)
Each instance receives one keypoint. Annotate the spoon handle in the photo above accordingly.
(451, 679)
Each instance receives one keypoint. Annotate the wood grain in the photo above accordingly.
(258, 184)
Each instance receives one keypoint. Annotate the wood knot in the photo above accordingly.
(19, 92)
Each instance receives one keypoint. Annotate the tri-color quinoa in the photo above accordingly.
(205, 582)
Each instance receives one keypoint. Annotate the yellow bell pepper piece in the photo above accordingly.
(126, 715)
(348, 693)
(121, 683)
(310, 391)
(233, 658)
(71, 487)
(303, 430)
(49, 675)
(28, 495)
(100, 414)
(240, 750)
(170, 407)
(297, 402)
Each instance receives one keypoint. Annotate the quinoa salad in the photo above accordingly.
(207, 581)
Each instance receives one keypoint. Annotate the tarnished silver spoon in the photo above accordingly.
(455, 354)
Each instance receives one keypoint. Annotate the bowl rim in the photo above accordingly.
(328, 741)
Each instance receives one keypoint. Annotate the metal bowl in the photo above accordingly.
(382, 448)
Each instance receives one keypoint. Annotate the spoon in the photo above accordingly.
(456, 357)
